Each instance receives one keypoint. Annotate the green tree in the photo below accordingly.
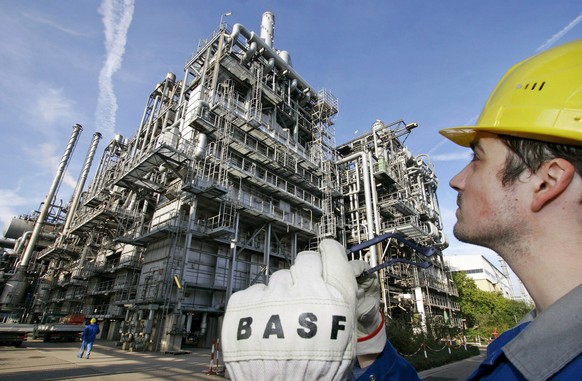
(486, 311)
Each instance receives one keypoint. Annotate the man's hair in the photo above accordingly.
(528, 154)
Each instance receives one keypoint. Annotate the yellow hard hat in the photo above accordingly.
(539, 98)
(93, 320)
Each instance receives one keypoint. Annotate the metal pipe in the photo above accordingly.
(7, 243)
(85, 250)
(200, 101)
(217, 65)
(251, 51)
(49, 197)
(269, 53)
(233, 248)
(368, 200)
(378, 124)
(148, 130)
(200, 142)
(267, 252)
(204, 323)
(375, 207)
(81, 183)
(21, 242)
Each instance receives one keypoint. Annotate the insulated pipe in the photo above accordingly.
(204, 323)
(286, 57)
(153, 136)
(173, 130)
(293, 85)
(353, 193)
(6, 243)
(170, 80)
(148, 130)
(374, 197)
(233, 249)
(49, 197)
(270, 64)
(267, 253)
(201, 142)
(268, 52)
(357, 189)
(378, 124)
(252, 50)
(81, 183)
(85, 250)
(21, 242)
(217, 65)
(306, 97)
(368, 200)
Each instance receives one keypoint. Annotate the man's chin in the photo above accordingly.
(460, 234)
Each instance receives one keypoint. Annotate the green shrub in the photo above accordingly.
(435, 359)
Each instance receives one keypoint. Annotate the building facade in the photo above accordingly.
(486, 275)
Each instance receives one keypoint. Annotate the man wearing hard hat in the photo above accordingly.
(521, 196)
(88, 337)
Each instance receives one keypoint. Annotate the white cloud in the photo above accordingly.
(552, 40)
(117, 16)
(53, 106)
(437, 146)
(52, 24)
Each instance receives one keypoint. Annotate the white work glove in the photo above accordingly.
(371, 326)
(299, 327)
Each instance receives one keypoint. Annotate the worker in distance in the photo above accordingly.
(521, 196)
(88, 338)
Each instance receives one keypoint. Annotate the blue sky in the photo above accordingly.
(430, 62)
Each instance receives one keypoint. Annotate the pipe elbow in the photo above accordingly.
(293, 85)
(270, 64)
(200, 145)
(250, 52)
(306, 97)
(235, 32)
(202, 105)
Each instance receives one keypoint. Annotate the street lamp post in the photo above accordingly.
(222, 16)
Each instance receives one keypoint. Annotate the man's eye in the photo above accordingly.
(474, 157)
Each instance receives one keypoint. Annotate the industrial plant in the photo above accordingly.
(233, 170)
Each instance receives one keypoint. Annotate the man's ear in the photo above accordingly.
(553, 178)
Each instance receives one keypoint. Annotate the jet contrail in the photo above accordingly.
(117, 15)
(560, 34)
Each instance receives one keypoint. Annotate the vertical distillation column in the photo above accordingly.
(218, 170)
(256, 105)
(326, 108)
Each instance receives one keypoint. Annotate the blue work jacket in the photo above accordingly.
(545, 346)
(90, 332)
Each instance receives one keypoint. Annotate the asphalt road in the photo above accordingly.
(456, 371)
(38, 361)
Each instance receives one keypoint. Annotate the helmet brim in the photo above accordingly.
(465, 135)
